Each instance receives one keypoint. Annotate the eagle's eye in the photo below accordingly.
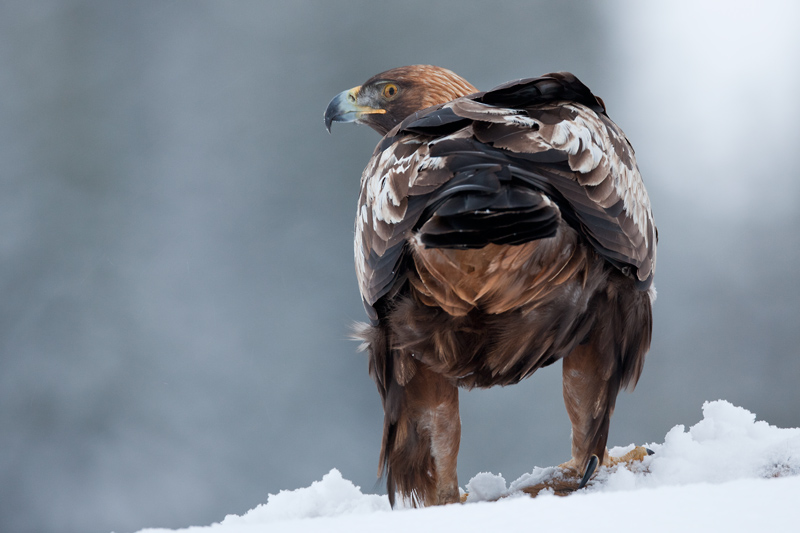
(390, 90)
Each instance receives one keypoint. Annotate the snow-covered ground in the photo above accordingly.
(728, 472)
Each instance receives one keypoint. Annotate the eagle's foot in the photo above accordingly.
(445, 497)
(569, 477)
(635, 455)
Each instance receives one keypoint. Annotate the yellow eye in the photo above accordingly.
(390, 90)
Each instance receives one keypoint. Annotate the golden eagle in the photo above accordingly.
(496, 233)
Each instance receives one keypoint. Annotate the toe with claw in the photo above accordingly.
(590, 468)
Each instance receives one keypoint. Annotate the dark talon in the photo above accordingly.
(590, 468)
(649, 451)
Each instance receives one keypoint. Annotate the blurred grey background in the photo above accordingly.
(176, 238)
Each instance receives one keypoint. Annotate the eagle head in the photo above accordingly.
(384, 100)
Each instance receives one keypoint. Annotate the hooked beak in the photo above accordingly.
(345, 108)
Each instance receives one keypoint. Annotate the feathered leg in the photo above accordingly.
(422, 427)
(422, 432)
(590, 383)
(612, 359)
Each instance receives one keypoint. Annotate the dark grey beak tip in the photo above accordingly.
(333, 112)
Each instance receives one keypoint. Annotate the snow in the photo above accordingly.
(728, 472)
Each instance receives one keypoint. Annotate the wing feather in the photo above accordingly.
(504, 167)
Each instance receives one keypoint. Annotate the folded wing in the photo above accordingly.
(503, 167)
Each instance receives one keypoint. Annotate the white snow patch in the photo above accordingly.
(332, 496)
(486, 486)
(728, 472)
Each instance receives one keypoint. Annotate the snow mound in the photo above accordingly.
(717, 475)
(728, 444)
(332, 496)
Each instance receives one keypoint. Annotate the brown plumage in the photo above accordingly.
(497, 232)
